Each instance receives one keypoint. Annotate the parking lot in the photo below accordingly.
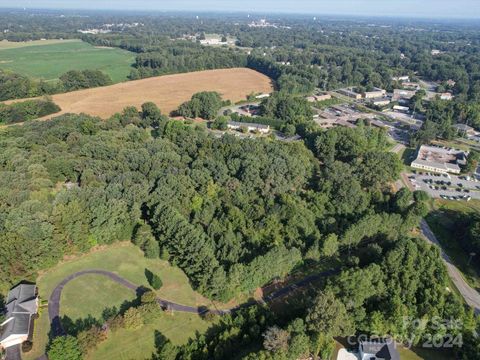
(449, 187)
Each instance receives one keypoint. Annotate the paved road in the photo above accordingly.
(471, 296)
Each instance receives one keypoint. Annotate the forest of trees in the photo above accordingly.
(27, 110)
(235, 214)
(18, 86)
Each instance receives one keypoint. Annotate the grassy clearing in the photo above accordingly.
(442, 222)
(126, 260)
(140, 343)
(48, 60)
(424, 354)
(91, 294)
(5, 44)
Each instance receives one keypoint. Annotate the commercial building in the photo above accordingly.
(464, 129)
(402, 109)
(319, 97)
(399, 94)
(439, 159)
(375, 93)
(234, 125)
(350, 93)
(380, 101)
(21, 307)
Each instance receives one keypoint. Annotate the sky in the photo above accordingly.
(399, 8)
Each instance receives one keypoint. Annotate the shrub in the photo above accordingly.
(64, 348)
(89, 339)
(27, 110)
(115, 323)
(153, 279)
(133, 318)
(148, 297)
(27, 346)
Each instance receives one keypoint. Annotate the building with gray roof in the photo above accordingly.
(21, 306)
(439, 159)
(380, 349)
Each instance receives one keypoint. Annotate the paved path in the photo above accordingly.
(13, 353)
(54, 301)
(471, 296)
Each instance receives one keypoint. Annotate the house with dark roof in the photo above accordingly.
(379, 349)
(21, 306)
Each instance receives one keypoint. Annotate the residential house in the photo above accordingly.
(21, 306)
(401, 78)
(446, 96)
(451, 82)
(381, 349)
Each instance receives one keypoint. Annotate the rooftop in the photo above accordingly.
(383, 350)
(245, 124)
(442, 158)
(21, 304)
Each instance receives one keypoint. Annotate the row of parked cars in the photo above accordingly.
(458, 198)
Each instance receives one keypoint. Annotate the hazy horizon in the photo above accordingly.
(468, 9)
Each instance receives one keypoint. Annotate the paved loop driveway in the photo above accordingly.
(54, 301)
(13, 353)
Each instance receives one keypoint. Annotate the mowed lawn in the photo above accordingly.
(425, 354)
(89, 295)
(50, 59)
(140, 344)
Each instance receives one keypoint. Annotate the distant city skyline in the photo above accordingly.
(398, 8)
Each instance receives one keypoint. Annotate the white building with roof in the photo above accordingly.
(439, 159)
(235, 125)
(21, 306)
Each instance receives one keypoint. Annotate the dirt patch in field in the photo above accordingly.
(168, 91)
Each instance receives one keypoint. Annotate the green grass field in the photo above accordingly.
(140, 344)
(91, 294)
(49, 59)
(424, 354)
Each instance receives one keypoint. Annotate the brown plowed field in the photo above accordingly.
(168, 91)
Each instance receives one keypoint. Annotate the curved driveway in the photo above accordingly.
(54, 301)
